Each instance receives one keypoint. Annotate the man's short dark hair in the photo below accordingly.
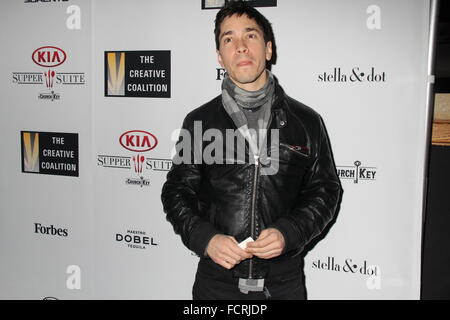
(239, 8)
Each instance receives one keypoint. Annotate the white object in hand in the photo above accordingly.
(243, 244)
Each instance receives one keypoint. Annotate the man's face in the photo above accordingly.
(243, 52)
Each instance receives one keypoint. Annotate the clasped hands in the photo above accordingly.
(224, 250)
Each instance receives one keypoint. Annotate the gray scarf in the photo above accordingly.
(232, 95)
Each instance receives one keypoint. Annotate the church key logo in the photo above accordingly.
(51, 153)
(217, 4)
(142, 74)
(139, 142)
(357, 172)
(50, 58)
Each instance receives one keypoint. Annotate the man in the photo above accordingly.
(280, 196)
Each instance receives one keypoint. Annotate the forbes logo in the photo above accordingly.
(138, 141)
(39, 228)
(49, 56)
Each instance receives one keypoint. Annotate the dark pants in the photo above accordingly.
(285, 281)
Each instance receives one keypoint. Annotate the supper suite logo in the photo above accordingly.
(50, 77)
(136, 144)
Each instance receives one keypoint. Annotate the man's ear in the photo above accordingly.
(268, 50)
(219, 58)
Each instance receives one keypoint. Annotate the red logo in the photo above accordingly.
(49, 56)
(49, 77)
(138, 141)
(138, 162)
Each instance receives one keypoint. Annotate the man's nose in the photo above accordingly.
(241, 46)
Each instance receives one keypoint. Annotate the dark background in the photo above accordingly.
(436, 232)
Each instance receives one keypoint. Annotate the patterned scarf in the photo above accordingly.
(232, 95)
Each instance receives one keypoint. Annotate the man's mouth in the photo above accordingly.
(244, 63)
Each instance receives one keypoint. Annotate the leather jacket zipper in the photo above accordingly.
(253, 213)
(254, 190)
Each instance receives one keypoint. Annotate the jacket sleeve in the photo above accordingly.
(180, 197)
(317, 201)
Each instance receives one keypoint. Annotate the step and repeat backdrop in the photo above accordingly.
(93, 93)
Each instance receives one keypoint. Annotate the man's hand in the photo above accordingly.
(270, 244)
(224, 250)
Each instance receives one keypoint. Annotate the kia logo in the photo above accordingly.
(48, 56)
(138, 140)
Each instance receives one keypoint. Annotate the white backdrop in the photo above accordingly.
(118, 243)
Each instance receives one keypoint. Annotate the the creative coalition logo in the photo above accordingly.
(139, 142)
(136, 239)
(144, 74)
(351, 267)
(216, 4)
(50, 230)
(52, 153)
(355, 75)
(357, 172)
(49, 58)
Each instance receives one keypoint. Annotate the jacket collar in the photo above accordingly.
(279, 106)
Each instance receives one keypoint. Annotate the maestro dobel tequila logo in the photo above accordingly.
(136, 239)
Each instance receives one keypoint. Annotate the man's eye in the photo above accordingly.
(252, 36)
(226, 40)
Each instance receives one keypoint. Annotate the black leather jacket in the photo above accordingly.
(202, 200)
